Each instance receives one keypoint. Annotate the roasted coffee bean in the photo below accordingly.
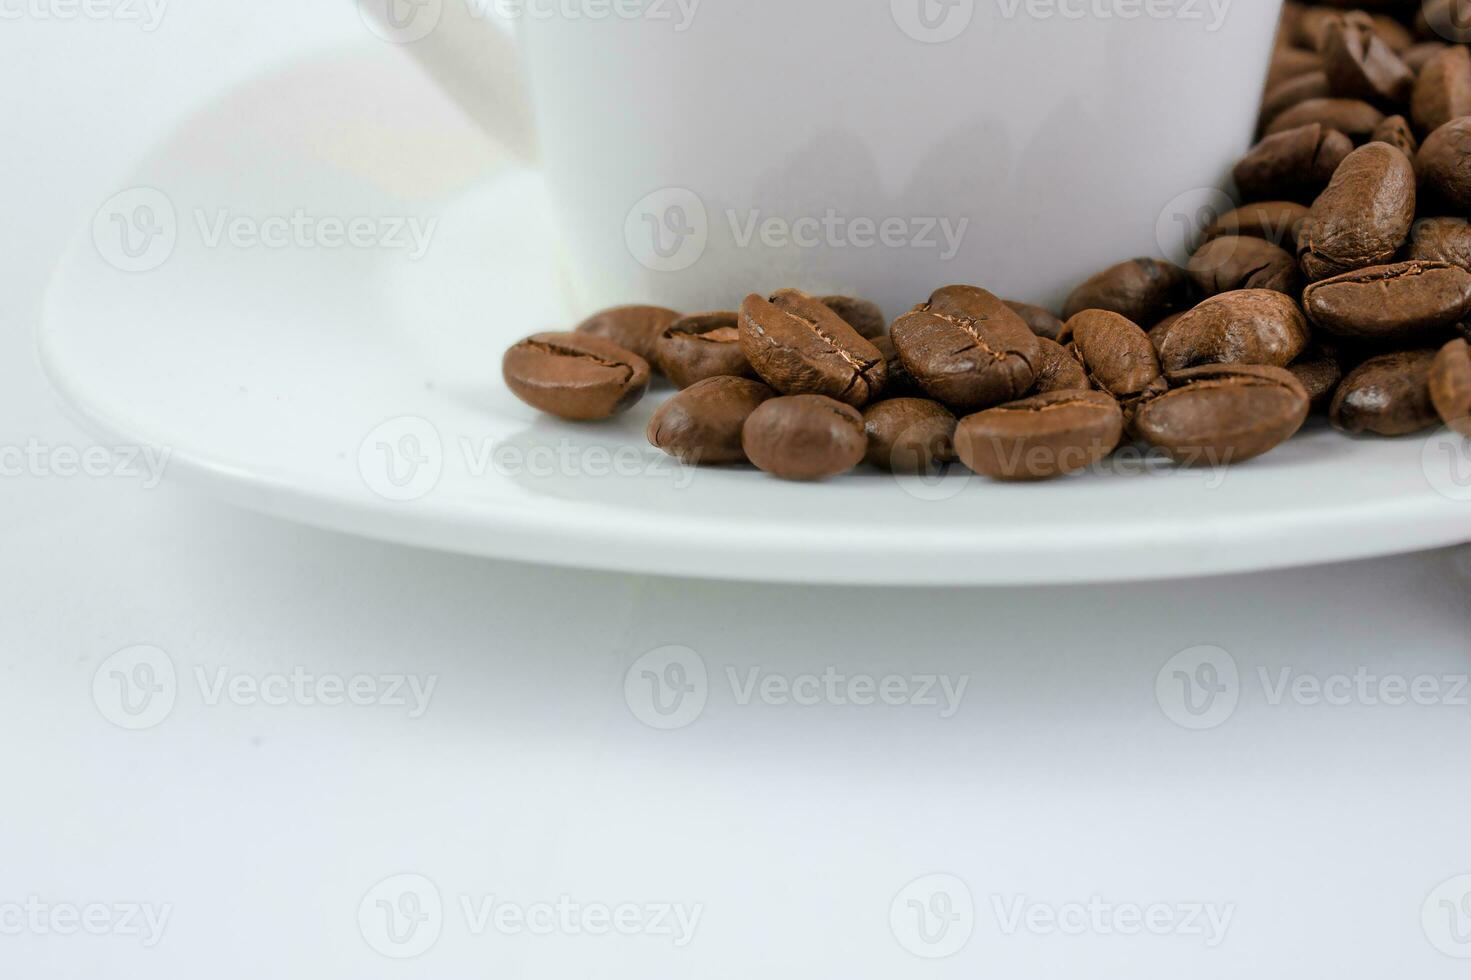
(1443, 90)
(1319, 373)
(1444, 20)
(704, 345)
(1289, 63)
(860, 314)
(1142, 290)
(634, 328)
(1249, 326)
(1396, 131)
(1160, 332)
(1293, 165)
(1360, 65)
(1042, 322)
(1441, 240)
(578, 376)
(1353, 118)
(801, 347)
(1227, 263)
(1273, 221)
(805, 437)
(1399, 37)
(1363, 217)
(1116, 354)
(1445, 163)
(1391, 302)
(909, 435)
(898, 383)
(1058, 369)
(1224, 413)
(1285, 95)
(702, 424)
(1419, 55)
(1387, 395)
(1309, 25)
(1041, 437)
(1450, 386)
(967, 349)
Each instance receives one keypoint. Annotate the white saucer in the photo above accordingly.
(285, 380)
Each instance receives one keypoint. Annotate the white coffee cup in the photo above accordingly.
(699, 150)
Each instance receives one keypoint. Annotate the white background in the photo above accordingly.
(262, 829)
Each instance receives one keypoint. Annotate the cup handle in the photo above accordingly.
(476, 62)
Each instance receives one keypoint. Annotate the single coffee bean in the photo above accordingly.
(1249, 326)
(860, 314)
(805, 437)
(1363, 217)
(1419, 55)
(1227, 263)
(1360, 65)
(1354, 118)
(1387, 395)
(1284, 95)
(577, 376)
(1058, 369)
(909, 435)
(1142, 290)
(1445, 163)
(1293, 165)
(1310, 24)
(1319, 373)
(1399, 37)
(702, 424)
(1220, 414)
(799, 346)
(1160, 332)
(634, 328)
(898, 383)
(1042, 322)
(1041, 437)
(700, 346)
(967, 349)
(1273, 221)
(1444, 20)
(1390, 302)
(1450, 386)
(1115, 353)
(1443, 90)
(1441, 240)
(1396, 131)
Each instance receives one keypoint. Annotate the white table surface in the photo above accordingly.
(1060, 788)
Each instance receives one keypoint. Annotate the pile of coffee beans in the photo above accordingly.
(1342, 284)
